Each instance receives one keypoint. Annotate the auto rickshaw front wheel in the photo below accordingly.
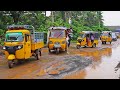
(57, 50)
(110, 42)
(78, 46)
(103, 42)
(10, 64)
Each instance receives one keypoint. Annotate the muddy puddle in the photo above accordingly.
(105, 65)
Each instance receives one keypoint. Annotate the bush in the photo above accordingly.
(1, 32)
(1, 42)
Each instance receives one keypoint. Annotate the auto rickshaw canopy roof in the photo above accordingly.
(21, 27)
(106, 31)
(88, 32)
(53, 28)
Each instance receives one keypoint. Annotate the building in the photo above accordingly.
(113, 27)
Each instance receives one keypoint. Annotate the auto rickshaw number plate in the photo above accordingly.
(56, 45)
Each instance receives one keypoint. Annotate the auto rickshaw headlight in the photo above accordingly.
(20, 46)
(4, 48)
(50, 42)
(63, 42)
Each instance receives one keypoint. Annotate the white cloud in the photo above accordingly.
(111, 18)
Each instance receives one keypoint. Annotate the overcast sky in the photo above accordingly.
(111, 18)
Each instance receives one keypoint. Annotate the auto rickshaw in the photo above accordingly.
(106, 37)
(82, 39)
(22, 42)
(57, 39)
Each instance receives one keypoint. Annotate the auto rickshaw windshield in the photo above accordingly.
(81, 35)
(105, 34)
(14, 37)
(57, 33)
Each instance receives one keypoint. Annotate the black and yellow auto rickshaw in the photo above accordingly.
(84, 39)
(22, 42)
(57, 39)
(106, 37)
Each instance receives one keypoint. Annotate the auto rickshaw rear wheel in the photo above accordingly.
(49, 51)
(40, 52)
(110, 42)
(94, 45)
(19, 61)
(37, 54)
(10, 64)
(105, 42)
(102, 42)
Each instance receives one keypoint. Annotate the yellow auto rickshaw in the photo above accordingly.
(106, 37)
(57, 39)
(22, 42)
(84, 39)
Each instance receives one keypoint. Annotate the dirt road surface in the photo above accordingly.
(101, 62)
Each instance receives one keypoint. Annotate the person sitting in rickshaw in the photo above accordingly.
(87, 39)
(92, 38)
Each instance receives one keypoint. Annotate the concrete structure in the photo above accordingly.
(113, 27)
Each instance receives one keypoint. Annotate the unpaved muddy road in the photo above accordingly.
(101, 62)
